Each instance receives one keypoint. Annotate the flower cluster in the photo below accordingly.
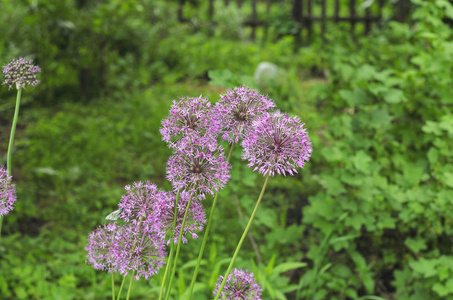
(237, 109)
(277, 143)
(142, 205)
(198, 169)
(7, 192)
(273, 142)
(139, 245)
(125, 249)
(190, 119)
(20, 72)
(240, 285)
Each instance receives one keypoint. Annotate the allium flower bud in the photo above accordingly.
(277, 143)
(20, 72)
(7, 192)
(189, 119)
(195, 219)
(240, 285)
(237, 109)
(198, 169)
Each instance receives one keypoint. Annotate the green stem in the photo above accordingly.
(200, 254)
(170, 256)
(130, 285)
(11, 141)
(164, 281)
(178, 248)
(242, 238)
(113, 287)
(230, 152)
(13, 131)
(205, 238)
(121, 288)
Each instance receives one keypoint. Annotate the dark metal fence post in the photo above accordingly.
(297, 11)
(254, 20)
(337, 11)
(352, 14)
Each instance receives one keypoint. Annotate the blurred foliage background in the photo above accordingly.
(370, 217)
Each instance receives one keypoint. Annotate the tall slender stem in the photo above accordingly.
(170, 256)
(113, 287)
(11, 141)
(178, 248)
(242, 238)
(230, 152)
(130, 285)
(121, 288)
(13, 131)
(205, 238)
(200, 254)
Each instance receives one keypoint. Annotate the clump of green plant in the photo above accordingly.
(384, 161)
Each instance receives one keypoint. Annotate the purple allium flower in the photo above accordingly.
(198, 169)
(102, 245)
(190, 118)
(195, 217)
(141, 252)
(240, 285)
(20, 72)
(125, 249)
(237, 109)
(143, 204)
(7, 192)
(277, 143)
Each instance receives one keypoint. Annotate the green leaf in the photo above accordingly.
(270, 265)
(447, 178)
(355, 97)
(332, 154)
(412, 174)
(394, 96)
(416, 244)
(356, 221)
(332, 185)
(224, 78)
(284, 267)
(361, 162)
(432, 127)
(433, 155)
(425, 267)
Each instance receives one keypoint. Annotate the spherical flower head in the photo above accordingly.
(240, 285)
(102, 246)
(237, 109)
(142, 204)
(277, 143)
(7, 192)
(141, 252)
(198, 169)
(190, 118)
(124, 249)
(195, 219)
(20, 72)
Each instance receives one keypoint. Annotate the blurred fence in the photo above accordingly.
(361, 15)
